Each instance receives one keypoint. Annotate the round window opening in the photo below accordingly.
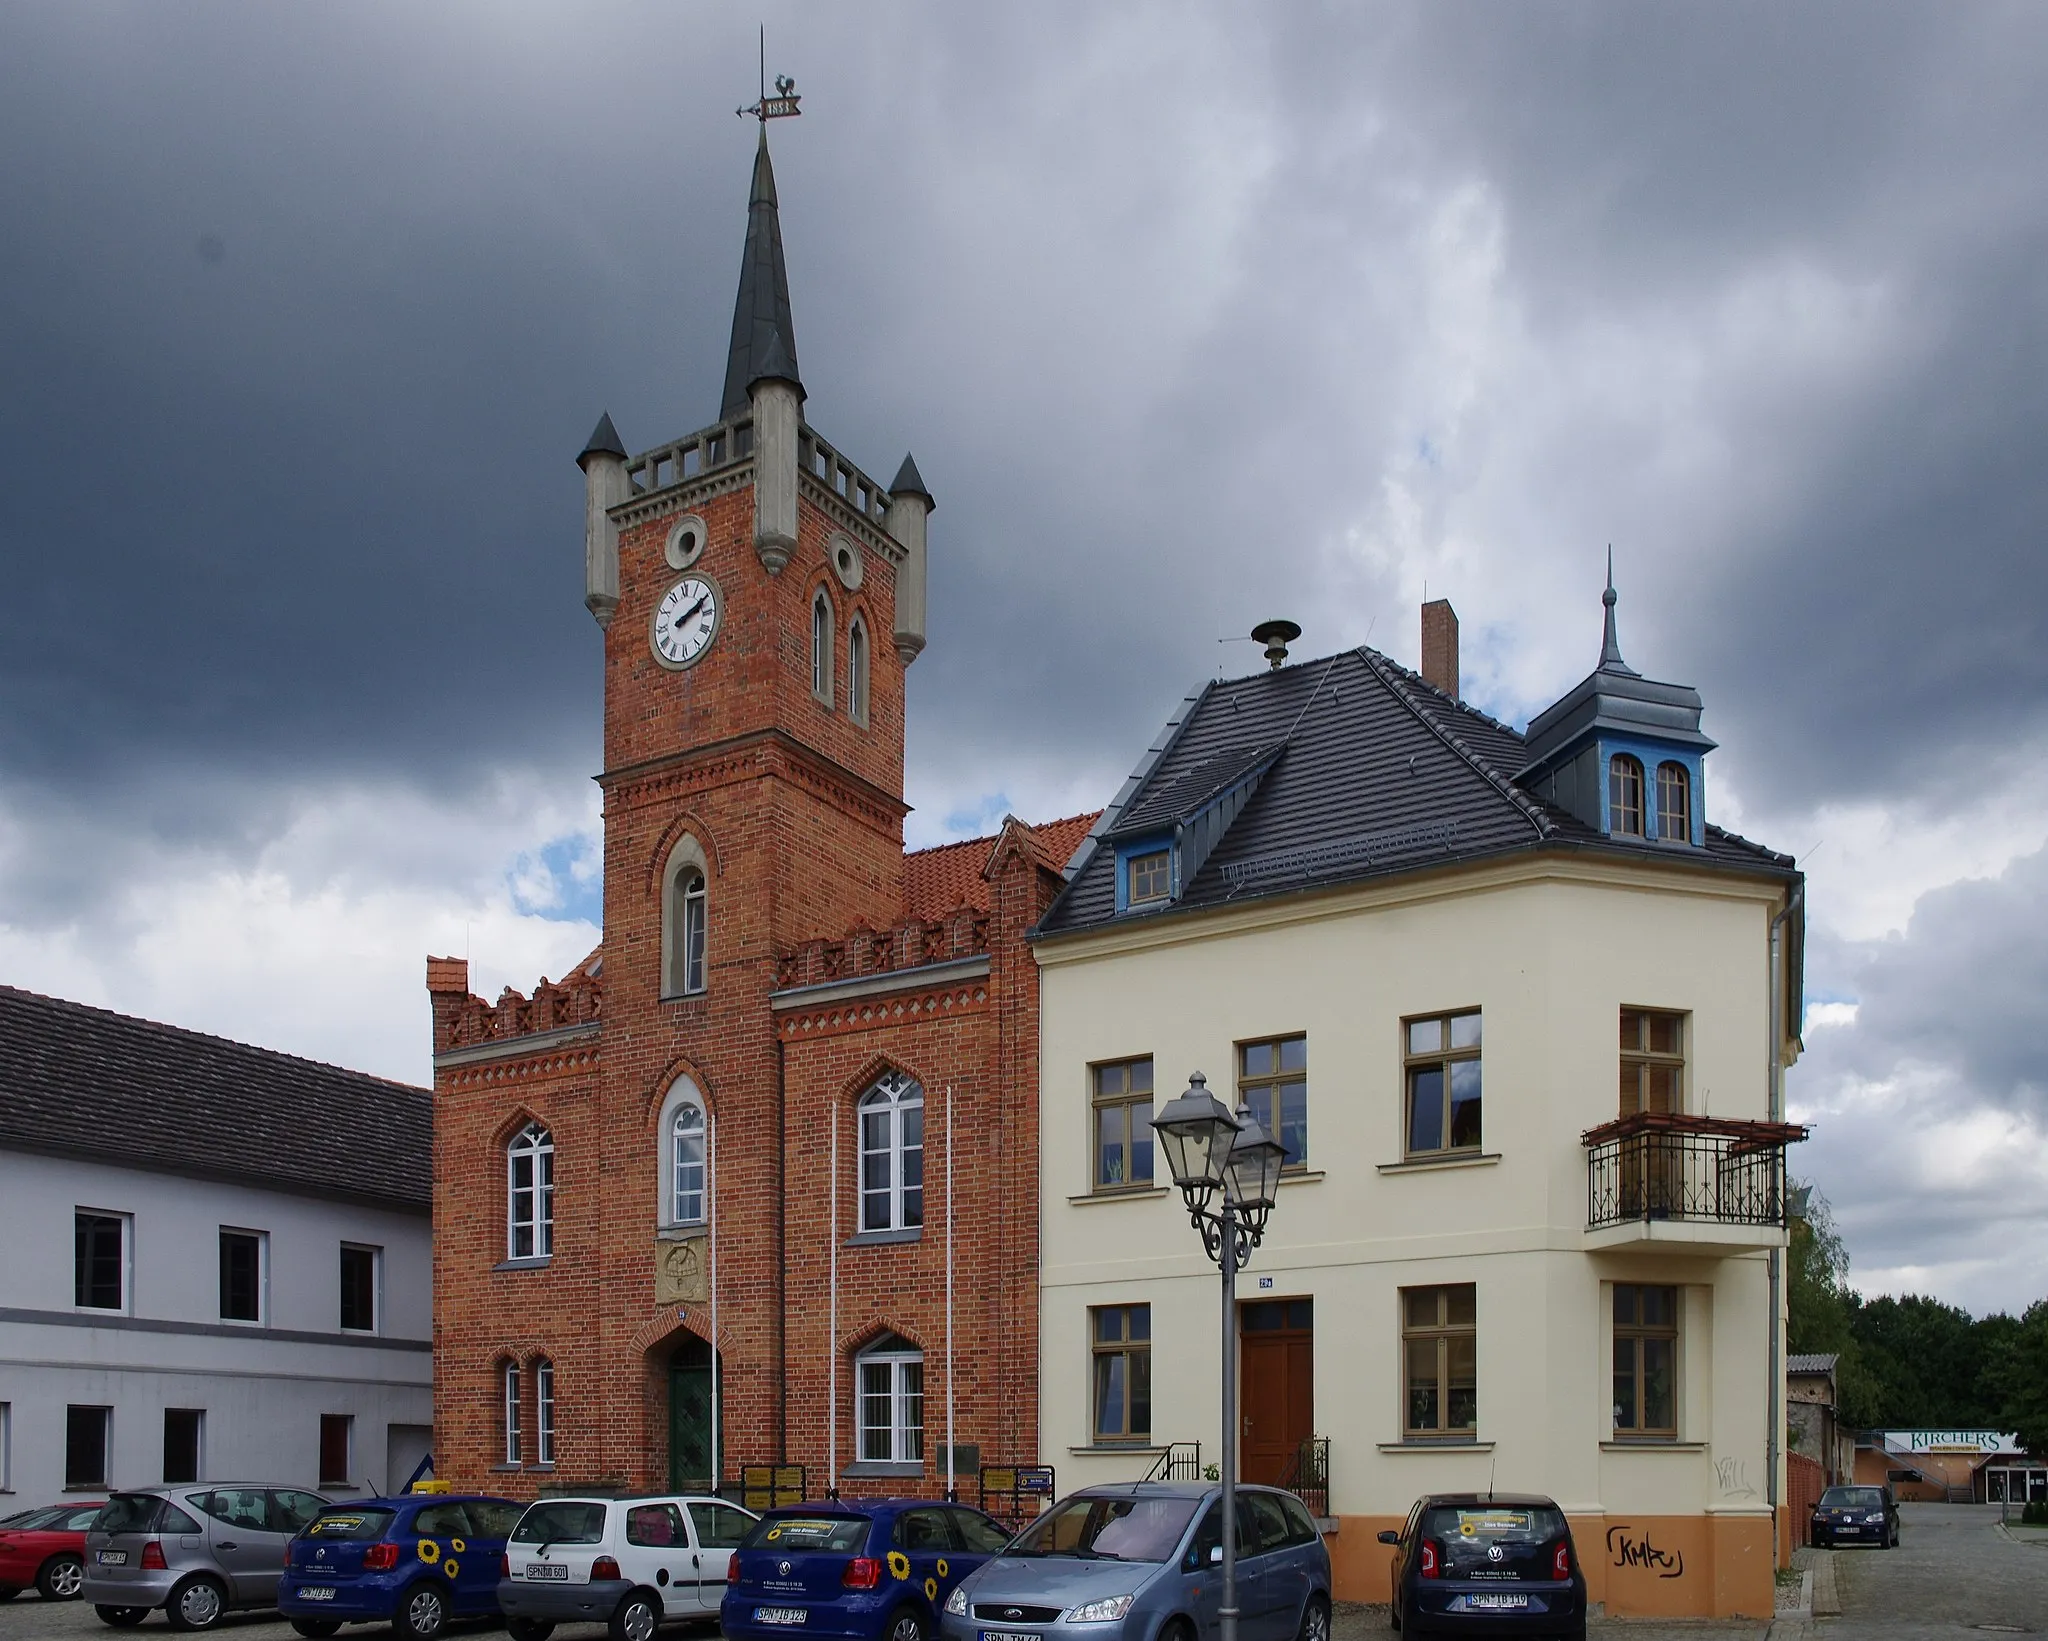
(685, 543)
(845, 557)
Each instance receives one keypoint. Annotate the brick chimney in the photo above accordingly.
(1440, 646)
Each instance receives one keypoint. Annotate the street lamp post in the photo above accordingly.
(1227, 1168)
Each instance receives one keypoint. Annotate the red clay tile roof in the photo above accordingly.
(937, 880)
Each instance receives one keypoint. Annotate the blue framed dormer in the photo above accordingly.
(1623, 753)
(1147, 872)
(1165, 836)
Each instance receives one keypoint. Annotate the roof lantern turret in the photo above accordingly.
(1622, 752)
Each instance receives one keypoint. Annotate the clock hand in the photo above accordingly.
(692, 610)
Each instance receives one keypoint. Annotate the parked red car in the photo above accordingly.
(45, 1548)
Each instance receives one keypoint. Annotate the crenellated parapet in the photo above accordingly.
(463, 1020)
(911, 944)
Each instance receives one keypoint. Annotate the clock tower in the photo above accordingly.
(718, 1158)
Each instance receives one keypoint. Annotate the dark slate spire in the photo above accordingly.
(604, 441)
(760, 318)
(1610, 642)
(910, 482)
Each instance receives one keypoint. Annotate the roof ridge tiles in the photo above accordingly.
(1412, 677)
(1742, 842)
(1531, 811)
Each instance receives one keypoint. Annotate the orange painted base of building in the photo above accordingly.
(1636, 1566)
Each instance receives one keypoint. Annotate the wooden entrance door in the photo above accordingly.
(689, 1417)
(1276, 1385)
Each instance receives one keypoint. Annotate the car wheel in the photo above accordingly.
(422, 1613)
(317, 1628)
(906, 1625)
(122, 1618)
(529, 1629)
(196, 1604)
(1315, 1621)
(61, 1579)
(637, 1618)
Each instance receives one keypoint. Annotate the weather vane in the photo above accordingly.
(781, 106)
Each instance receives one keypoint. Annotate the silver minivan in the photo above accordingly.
(197, 1552)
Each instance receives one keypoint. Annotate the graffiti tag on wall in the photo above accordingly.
(1642, 1553)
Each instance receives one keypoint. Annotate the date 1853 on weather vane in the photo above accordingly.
(781, 106)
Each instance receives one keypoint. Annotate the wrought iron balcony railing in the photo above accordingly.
(1181, 1461)
(1655, 1165)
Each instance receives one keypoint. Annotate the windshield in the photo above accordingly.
(560, 1521)
(1115, 1529)
(833, 1535)
(350, 1524)
(129, 1513)
(1852, 1498)
(29, 1520)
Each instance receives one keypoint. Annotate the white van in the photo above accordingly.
(634, 1563)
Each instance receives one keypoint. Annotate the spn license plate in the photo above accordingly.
(1008, 1635)
(316, 1592)
(778, 1615)
(547, 1569)
(113, 1558)
(1496, 1603)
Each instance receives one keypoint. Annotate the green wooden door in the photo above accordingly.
(689, 1417)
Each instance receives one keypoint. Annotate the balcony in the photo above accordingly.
(1683, 1184)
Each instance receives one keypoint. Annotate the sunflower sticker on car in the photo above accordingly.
(899, 1565)
(430, 1552)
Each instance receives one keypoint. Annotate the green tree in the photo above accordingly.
(2018, 1375)
(1821, 1308)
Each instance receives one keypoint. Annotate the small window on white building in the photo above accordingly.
(892, 1155)
(530, 1194)
(362, 1271)
(184, 1432)
(88, 1433)
(100, 1263)
(337, 1445)
(889, 1402)
(244, 1273)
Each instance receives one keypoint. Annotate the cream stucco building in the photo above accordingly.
(1509, 1003)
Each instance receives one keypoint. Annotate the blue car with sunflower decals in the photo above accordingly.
(415, 1562)
(853, 1569)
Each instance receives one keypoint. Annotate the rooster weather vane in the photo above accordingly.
(781, 106)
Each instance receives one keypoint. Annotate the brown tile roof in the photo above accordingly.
(937, 880)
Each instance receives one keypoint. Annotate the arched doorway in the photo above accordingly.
(690, 1414)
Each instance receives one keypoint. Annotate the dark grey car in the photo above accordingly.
(197, 1552)
(1141, 1562)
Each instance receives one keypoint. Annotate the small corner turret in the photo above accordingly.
(605, 485)
(910, 505)
(1622, 752)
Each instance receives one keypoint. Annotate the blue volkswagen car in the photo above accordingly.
(1141, 1561)
(1487, 1565)
(415, 1562)
(853, 1569)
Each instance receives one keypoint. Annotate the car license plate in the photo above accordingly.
(1008, 1635)
(1496, 1603)
(778, 1615)
(113, 1558)
(316, 1592)
(547, 1569)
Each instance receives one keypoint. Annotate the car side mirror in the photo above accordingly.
(1215, 1555)
(1389, 1536)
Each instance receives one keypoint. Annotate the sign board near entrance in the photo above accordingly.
(768, 1486)
(1951, 1441)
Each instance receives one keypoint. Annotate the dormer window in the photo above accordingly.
(1674, 803)
(1151, 877)
(1624, 796)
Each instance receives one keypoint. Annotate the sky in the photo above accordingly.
(1192, 314)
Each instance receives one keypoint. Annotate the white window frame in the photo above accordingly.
(262, 1317)
(685, 920)
(544, 1411)
(508, 1384)
(687, 1134)
(376, 1287)
(127, 1221)
(858, 666)
(891, 1099)
(822, 628)
(903, 1440)
(535, 1141)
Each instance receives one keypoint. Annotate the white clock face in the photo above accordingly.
(685, 621)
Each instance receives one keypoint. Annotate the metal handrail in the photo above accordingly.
(1307, 1474)
(1181, 1461)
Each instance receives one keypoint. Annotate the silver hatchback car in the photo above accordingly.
(197, 1552)
(1140, 1562)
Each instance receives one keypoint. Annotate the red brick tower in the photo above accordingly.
(638, 1164)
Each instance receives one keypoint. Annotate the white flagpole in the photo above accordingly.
(951, 1486)
(832, 1331)
(711, 1212)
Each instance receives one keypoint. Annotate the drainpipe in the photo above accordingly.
(1774, 1072)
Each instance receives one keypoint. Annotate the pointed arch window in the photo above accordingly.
(857, 670)
(685, 922)
(1674, 803)
(1624, 796)
(821, 646)
(891, 1151)
(530, 1194)
(686, 1164)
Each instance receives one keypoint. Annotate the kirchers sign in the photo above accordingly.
(1951, 1441)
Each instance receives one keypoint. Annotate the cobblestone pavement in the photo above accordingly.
(27, 1619)
(1955, 1575)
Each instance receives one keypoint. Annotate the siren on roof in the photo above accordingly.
(1276, 636)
